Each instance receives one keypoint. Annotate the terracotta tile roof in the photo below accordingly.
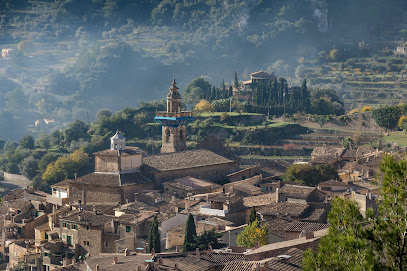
(185, 159)
(64, 184)
(247, 188)
(128, 151)
(314, 215)
(277, 226)
(222, 259)
(296, 191)
(105, 262)
(212, 220)
(308, 226)
(18, 204)
(214, 144)
(186, 263)
(262, 74)
(259, 200)
(284, 209)
(136, 207)
(110, 179)
(191, 184)
(243, 266)
(292, 264)
(333, 183)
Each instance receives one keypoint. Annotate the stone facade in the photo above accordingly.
(213, 173)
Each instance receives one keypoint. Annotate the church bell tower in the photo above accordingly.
(173, 122)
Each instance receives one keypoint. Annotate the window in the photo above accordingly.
(74, 226)
(128, 228)
(69, 239)
(106, 244)
(63, 236)
(84, 243)
(45, 254)
(87, 243)
(87, 227)
(63, 225)
(46, 236)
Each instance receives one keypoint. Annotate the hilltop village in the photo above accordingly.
(104, 220)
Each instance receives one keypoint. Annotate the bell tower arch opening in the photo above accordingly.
(173, 122)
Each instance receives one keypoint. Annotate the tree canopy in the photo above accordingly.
(310, 175)
(253, 235)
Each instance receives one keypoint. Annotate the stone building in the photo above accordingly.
(201, 164)
(94, 233)
(173, 121)
(259, 77)
(186, 186)
(117, 177)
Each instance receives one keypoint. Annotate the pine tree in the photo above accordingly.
(190, 234)
(154, 237)
(236, 82)
(253, 215)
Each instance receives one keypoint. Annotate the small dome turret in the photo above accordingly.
(118, 142)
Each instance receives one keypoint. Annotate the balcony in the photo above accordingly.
(166, 114)
(206, 210)
(173, 119)
(57, 201)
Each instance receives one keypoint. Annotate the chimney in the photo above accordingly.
(197, 253)
(153, 251)
(176, 249)
(97, 267)
(160, 261)
(126, 252)
(80, 205)
(277, 197)
(114, 260)
(175, 267)
(210, 249)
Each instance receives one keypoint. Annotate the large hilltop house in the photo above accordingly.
(258, 77)
(122, 171)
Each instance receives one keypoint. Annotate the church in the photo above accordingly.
(121, 171)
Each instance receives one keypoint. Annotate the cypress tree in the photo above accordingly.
(275, 90)
(230, 94)
(305, 96)
(154, 237)
(236, 82)
(253, 215)
(190, 234)
(281, 93)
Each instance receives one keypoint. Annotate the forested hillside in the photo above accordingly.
(73, 57)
